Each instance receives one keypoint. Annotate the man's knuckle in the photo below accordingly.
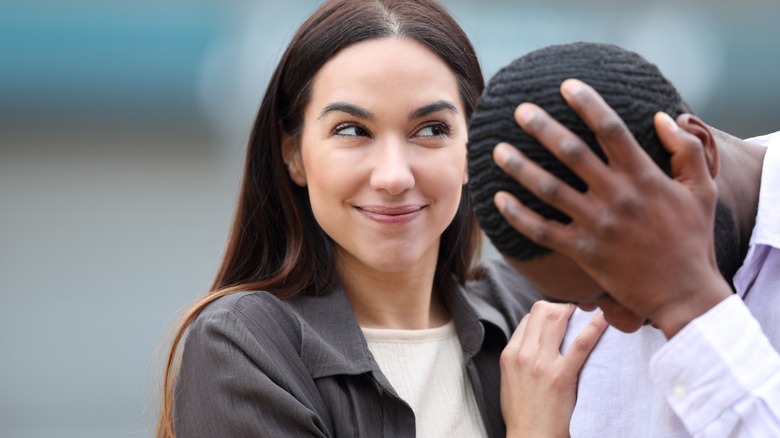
(513, 165)
(549, 189)
(539, 233)
(626, 204)
(572, 151)
(586, 251)
(534, 124)
(611, 127)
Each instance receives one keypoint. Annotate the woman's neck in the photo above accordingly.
(394, 300)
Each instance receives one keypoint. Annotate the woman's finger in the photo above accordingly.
(583, 344)
(543, 333)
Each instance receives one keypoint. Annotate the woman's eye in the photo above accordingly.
(350, 130)
(434, 130)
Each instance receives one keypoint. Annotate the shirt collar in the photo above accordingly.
(332, 342)
(767, 228)
(766, 231)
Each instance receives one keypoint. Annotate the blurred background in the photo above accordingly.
(122, 128)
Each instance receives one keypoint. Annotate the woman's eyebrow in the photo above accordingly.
(363, 113)
(432, 108)
(348, 108)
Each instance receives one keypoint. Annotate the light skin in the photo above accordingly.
(538, 383)
(383, 156)
(640, 244)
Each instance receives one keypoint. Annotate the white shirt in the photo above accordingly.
(428, 371)
(719, 376)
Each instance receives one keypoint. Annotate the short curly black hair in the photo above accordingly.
(632, 86)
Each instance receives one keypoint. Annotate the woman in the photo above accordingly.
(346, 304)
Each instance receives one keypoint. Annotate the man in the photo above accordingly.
(602, 226)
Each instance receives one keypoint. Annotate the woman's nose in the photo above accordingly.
(392, 170)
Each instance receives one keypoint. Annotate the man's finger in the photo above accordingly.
(562, 143)
(542, 184)
(619, 145)
(688, 160)
(544, 232)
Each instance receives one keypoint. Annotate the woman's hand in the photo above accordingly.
(538, 383)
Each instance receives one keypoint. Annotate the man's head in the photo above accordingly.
(631, 85)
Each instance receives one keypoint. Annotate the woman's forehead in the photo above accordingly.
(370, 73)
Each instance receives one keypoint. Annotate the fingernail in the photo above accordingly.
(669, 121)
(525, 113)
(500, 154)
(571, 86)
(500, 201)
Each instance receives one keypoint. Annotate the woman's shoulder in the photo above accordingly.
(247, 318)
(240, 302)
(241, 354)
(305, 332)
(246, 303)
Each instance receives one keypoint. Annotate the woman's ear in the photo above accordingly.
(701, 130)
(291, 153)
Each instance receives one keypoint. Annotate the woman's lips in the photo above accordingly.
(391, 215)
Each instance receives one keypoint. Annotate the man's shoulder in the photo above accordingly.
(500, 294)
(494, 279)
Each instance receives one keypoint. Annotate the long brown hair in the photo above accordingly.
(275, 244)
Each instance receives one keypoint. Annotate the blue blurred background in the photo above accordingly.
(122, 127)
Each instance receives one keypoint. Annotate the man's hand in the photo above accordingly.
(647, 239)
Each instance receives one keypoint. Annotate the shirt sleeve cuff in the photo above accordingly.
(712, 363)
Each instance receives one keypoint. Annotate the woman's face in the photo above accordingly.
(383, 154)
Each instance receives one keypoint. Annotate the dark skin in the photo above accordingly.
(645, 240)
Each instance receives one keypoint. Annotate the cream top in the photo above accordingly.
(427, 370)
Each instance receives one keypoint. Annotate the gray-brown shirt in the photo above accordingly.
(255, 365)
